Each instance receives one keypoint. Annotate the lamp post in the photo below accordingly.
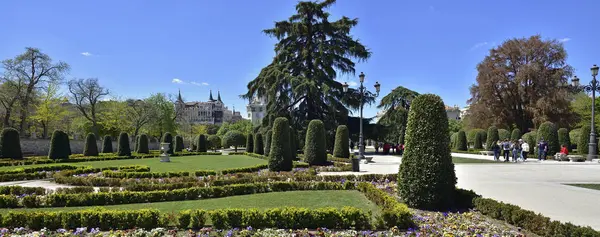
(362, 90)
(592, 87)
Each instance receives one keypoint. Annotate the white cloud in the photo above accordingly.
(199, 84)
(204, 84)
(352, 83)
(564, 40)
(177, 81)
(479, 45)
(87, 54)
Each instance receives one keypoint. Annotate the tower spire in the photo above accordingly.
(210, 98)
(179, 99)
(219, 96)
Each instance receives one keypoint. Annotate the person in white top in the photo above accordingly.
(525, 151)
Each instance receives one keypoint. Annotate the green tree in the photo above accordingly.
(142, 148)
(86, 94)
(396, 105)
(124, 148)
(91, 147)
(582, 104)
(426, 177)
(314, 147)
(259, 147)
(202, 146)
(168, 138)
(492, 136)
(140, 113)
(461, 141)
(114, 118)
(516, 134)
(10, 144)
(50, 109)
(574, 136)
(250, 143)
(549, 133)
(280, 156)
(107, 144)
(503, 134)
(165, 115)
(341, 149)
(563, 138)
(59, 146)
(234, 138)
(215, 142)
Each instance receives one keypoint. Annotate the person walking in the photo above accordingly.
(506, 149)
(496, 149)
(525, 150)
(542, 150)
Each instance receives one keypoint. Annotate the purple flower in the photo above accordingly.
(249, 228)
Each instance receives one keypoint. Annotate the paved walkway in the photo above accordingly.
(533, 185)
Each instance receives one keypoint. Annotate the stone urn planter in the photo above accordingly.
(164, 156)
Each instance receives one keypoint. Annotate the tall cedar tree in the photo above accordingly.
(427, 178)
(168, 138)
(341, 148)
(310, 52)
(91, 147)
(280, 156)
(250, 143)
(124, 149)
(107, 146)
(520, 82)
(10, 144)
(259, 147)
(396, 105)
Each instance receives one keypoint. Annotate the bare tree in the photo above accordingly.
(86, 93)
(34, 69)
(141, 113)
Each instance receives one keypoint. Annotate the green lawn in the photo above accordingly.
(179, 163)
(307, 199)
(590, 186)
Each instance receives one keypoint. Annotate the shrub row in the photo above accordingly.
(529, 220)
(393, 213)
(144, 175)
(18, 190)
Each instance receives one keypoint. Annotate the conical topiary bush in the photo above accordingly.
(314, 147)
(341, 148)
(258, 144)
(91, 147)
(250, 143)
(202, 144)
(124, 148)
(267, 144)
(492, 136)
(168, 138)
(142, 148)
(10, 144)
(107, 146)
(59, 146)
(280, 156)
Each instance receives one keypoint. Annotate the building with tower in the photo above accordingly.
(257, 109)
(208, 112)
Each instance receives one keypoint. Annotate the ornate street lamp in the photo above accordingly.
(362, 90)
(592, 87)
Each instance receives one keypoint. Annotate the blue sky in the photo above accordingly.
(137, 47)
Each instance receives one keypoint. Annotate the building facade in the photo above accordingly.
(206, 112)
(453, 112)
(257, 109)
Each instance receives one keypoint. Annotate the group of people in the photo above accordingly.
(389, 147)
(517, 149)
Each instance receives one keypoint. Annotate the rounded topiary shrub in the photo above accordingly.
(215, 142)
(250, 143)
(280, 156)
(574, 136)
(461, 141)
(202, 146)
(10, 144)
(142, 148)
(178, 143)
(293, 143)
(515, 135)
(583, 145)
(91, 147)
(471, 134)
(268, 142)
(59, 146)
(314, 146)
(124, 149)
(453, 140)
(341, 148)
(503, 134)
(234, 138)
(483, 134)
(426, 178)
(563, 138)
(548, 132)
(259, 147)
(168, 138)
(107, 146)
(530, 139)
(492, 136)
(478, 143)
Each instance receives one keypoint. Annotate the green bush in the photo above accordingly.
(293, 143)
(91, 147)
(530, 139)
(123, 149)
(107, 145)
(503, 134)
(563, 138)
(341, 148)
(143, 145)
(234, 138)
(394, 213)
(472, 135)
(215, 142)
(574, 136)
(461, 141)
(178, 143)
(584, 140)
(492, 136)
(477, 144)
(314, 147)
(259, 147)
(483, 135)
(202, 143)
(453, 140)
(548, 132)
(250, 143)
(515, 135)
(280, 156)
(168, 138)
(59, 146)
(10, 145)
(426, 178)
(194, 143)
(267, 144)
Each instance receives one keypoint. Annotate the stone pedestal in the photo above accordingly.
(164, 156)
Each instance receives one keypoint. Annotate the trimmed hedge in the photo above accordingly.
(563, 138)
(492, 136)
(202, 143)
(584, 140)
(91, 147)
(250, 143)
(59, 146)
(215, 142)
(341, 148)
(483, 134)
(123, 149)
(393, 213)
(259, 147)
(461, 141)
(530, 139)
(179, 144)
(427, 178)
(10, 144)
(503, 134)
(267, 144)
(314, 147)
(477, 144)
(548, 132)
(515, 134)
(168, 138)
(107, 145)
(280, 156)
(143, 145)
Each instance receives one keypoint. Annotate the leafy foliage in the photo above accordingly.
(563, 138)
(341, 149)
(10, 144)
(124, 148)
(259, 147)
(280, 156)
(59, 146)
(584, 140)
(477, 144)
(215, 142)
(244, 126)
(234, 138)
(91, 147)
(461, 141)
(314, 147)
(168, 138)
(396, 105)
(426, 177)
(267, 138)
(142, 148)
(530, 139)
(549, 133)
(503, 134)
(107, 146)
(515, 135)
(250, 143)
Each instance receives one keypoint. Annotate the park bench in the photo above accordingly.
(486, 153)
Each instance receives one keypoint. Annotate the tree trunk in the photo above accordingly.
(235, 148)
(44, 130)
(95, 128)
